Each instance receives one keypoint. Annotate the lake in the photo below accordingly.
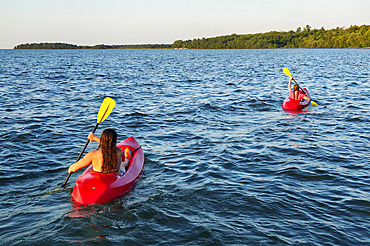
(224, 163)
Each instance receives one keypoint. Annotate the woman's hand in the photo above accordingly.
(92, 137)
(71, 169)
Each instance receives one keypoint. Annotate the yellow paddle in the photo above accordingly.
(104, 111)
(287, 72)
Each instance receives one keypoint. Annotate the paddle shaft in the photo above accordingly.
(299, 86)
(79, 157)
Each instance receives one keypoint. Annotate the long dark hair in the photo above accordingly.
(108, 145)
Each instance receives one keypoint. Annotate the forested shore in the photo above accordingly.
(352, 37)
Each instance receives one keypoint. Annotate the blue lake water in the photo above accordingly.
(225, 165)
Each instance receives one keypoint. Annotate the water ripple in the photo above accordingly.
(224, 163)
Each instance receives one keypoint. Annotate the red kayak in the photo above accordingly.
(290, 104)
(94, 187)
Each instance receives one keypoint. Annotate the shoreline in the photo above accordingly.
(353, 37)
(287, 48)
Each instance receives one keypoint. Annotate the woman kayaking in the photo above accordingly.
(295, 93)
(107, 158)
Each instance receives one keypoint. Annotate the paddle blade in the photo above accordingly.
(105, 109)
(313, 103)
(287, 72)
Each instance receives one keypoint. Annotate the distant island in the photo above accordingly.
(352, 37)
(99, 46)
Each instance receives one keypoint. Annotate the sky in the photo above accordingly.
(90, 22)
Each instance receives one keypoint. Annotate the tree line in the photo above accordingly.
(352, 37)
(99, 46)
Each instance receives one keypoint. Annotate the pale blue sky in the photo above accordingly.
(89, 22)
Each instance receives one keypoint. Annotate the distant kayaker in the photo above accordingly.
(107, 158)
(295, 94)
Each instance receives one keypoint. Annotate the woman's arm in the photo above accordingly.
(87, 160)
(122, 165)
(119, 156)
(290, 84)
